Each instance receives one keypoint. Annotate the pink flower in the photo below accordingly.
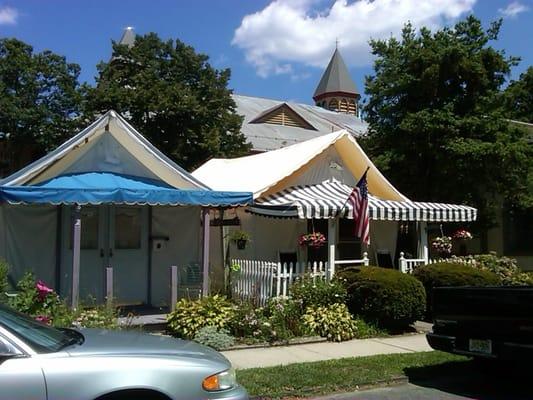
(43, 290)
(43, 318)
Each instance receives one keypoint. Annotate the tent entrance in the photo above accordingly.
(115, 236)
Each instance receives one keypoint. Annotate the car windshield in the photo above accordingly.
(40, 337)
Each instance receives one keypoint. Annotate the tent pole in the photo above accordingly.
(423, 251)
(332, 241)
(205, 252)
(76, 246)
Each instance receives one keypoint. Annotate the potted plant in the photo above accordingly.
(314, 239)
(240, 238)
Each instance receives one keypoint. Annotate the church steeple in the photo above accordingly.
(336, 90)
(128, 37)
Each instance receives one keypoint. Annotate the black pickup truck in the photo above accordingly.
(484, 322)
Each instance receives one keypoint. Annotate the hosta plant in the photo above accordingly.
(218, 339)
(333, 322)
(192, 315)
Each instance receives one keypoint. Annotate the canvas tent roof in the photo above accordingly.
(271, 176)
(108, 144)
(110, 162)
(267, 173)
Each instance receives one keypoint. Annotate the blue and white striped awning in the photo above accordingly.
(329, 200)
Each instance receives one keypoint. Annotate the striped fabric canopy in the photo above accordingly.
(329, 200)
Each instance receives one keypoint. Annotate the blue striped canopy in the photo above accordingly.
(112, 188)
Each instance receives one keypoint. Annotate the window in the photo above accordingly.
(349, 246)
(127, 228)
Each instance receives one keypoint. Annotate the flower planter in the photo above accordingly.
(241, 244)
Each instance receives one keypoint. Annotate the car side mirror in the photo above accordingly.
(7, 351)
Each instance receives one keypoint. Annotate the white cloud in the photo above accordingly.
(8, 15)
(513, 9)
(304, 31)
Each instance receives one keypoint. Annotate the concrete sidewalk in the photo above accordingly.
(283, 355)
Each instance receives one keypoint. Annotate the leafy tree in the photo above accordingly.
(436, 128)
(40, 102)
(518, 98)
(174, 97)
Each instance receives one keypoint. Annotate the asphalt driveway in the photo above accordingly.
(455, 381)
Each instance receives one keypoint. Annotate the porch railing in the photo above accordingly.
(408, 265)
(260, 280)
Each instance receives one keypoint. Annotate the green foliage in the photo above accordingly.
(43, 304)
(96, 317)
(518, 97)
(251, 323)
(40, 100)
(452, 274)
(284, 315)
(333, 322)
(4, 271)
(174, 97)
(385, 296)
(218, 339)
(506, 268)
(192, 315)
(436, 120)
(239, 235)
(318, 293)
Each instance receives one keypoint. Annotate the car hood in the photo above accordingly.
(122, 343)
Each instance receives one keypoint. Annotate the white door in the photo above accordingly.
(92, 253)
(128, 253)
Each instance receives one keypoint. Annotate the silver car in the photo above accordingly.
(38, 362)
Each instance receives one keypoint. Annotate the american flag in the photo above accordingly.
(359, 201)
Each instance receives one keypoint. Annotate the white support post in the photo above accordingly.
(205, 251)
(366, 261)
(332, 242)
(331, 262)
(423, 250)
(173, 287)
(403, 263)
(109, 285)
(76, 246)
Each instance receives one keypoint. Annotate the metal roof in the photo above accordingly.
(265, 137)
(128, 37)
(336, 78)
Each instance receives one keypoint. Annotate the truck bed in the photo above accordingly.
(492, 322)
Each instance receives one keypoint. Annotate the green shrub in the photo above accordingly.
(4, 270)
(452, 274)
(218, 339)
(383, 296)
(506, 268)
(192, 315)
(333, 322)
(318, 293)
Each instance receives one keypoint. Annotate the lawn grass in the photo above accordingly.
(344, 375)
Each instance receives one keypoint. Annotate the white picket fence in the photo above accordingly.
(261, 280)
(408, 265)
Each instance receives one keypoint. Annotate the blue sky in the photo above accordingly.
(274, 49)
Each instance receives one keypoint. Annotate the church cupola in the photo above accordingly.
(336, 90)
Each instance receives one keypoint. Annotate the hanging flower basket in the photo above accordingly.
(463, 234)
(240, 238)
(443, 245)
(315, 239)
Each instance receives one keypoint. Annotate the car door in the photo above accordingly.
(21, 377)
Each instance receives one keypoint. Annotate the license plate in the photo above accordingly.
(480, 346)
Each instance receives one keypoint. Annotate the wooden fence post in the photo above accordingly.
(109, 285)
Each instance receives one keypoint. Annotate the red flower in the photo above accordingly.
(43, 318)
(42, 290)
